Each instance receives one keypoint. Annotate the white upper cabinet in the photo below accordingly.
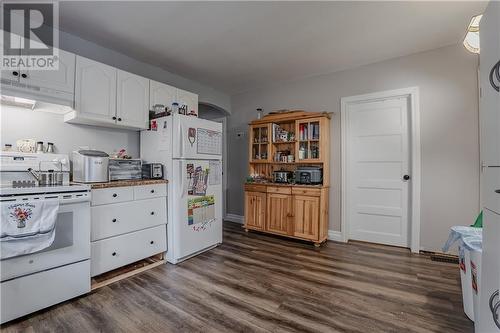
(53, 86)
(490, 98)
(95, 91)
(189, 99)
(161, 93)
(11, 75)
(62, 79)
(132, 100)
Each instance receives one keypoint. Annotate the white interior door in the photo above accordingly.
(377, 165)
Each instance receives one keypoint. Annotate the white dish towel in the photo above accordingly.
(27, 226)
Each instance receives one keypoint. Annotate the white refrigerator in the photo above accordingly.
(190, 150)
(487, 313)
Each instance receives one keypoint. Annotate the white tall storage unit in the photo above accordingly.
(490, 155)
(191, 151)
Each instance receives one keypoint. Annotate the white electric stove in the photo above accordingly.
(61, 271)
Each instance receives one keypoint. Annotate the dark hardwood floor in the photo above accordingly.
(257, 283)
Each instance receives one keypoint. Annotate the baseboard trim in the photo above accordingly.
(335, 235)
(235, 218)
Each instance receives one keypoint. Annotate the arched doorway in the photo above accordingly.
(214, 113)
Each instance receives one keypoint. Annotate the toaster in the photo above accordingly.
(309, 175)
(90, 166)
(152, 171)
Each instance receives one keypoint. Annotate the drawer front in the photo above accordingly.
(279, 190)
(491, 189)
(255, 188)
(111, 253)
(150, 191)
(312, 192)
(116, 219)
(37, 291)
(106, 196)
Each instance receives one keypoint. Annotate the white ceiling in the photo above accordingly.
(236, 46)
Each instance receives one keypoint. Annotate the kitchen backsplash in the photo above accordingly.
(19, 123)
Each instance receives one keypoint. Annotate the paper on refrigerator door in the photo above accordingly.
(197, 178)
(215, 173)
(209, 142)
(201, 212)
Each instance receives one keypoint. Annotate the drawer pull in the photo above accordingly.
(152, 242)
(113, 254)
(152, 191)
(115, 195)
(113, 220)
(152, 213)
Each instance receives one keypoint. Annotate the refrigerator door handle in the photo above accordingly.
(181, 141)
(182, 191)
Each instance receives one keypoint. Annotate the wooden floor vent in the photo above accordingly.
(444, 257)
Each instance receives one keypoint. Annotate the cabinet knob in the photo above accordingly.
(15, 73)
(115, 195)
(152, 213)
(113, 220)
(24, 76)
(152, 191)
(152, 242)
(113, 254)
(119, 119)
(406, 177)
(114, 118)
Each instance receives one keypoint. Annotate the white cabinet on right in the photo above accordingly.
(161, 93)
(189, 100)
(489, 103)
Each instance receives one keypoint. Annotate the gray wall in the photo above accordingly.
(447, 78)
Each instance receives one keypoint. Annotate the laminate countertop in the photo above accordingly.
(131, 182)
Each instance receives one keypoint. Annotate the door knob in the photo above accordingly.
(406, 177)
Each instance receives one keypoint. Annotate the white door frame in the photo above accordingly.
(412, 94)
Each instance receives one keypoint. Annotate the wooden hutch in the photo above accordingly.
(284, 141)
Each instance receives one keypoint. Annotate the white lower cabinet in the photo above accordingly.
(128, 224)
(115, 252)
(121, 218)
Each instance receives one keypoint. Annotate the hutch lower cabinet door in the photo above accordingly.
(279, 212)
(306, 217)
(255, 210)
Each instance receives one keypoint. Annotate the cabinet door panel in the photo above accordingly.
(95, 90)
(278, 213)
(489, 105)
(62, 79)
(306, 217)
(161, 93)
(189, 99)
(132, 100)
(255, 210)
(11, 75)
